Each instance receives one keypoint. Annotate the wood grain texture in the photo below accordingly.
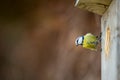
(95, 6)
(111, 62)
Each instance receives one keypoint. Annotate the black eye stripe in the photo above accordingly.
(82, 40)
(77, 41)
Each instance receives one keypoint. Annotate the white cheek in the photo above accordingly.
(80, 41)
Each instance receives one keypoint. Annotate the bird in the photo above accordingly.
(88, 41)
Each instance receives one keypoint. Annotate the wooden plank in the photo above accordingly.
(111, 42)
(95, 6)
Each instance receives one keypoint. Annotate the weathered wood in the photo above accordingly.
(111, 42)
(95, 6)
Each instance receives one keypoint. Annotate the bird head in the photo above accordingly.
(79, 40)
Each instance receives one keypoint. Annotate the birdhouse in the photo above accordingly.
(110, 26)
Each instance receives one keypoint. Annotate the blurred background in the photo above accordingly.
(37, 41)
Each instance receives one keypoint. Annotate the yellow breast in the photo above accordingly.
(90, 41)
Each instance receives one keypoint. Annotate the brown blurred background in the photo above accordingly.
(37, 41)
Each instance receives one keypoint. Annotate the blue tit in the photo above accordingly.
(88, 41)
